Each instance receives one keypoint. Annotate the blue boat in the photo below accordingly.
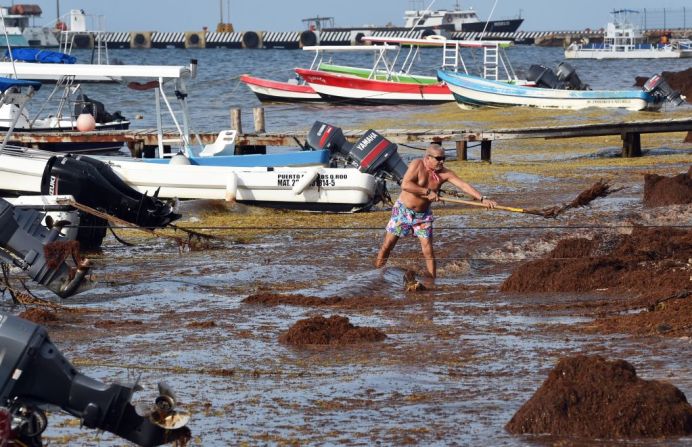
(473, 91)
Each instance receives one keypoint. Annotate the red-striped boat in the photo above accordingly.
(276, 91)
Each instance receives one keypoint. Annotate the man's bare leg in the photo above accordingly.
(390, 241)
(426, 245)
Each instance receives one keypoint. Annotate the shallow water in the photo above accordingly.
(217, 89)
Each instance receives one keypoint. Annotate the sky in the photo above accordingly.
(286, 15)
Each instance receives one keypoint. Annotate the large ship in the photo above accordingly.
(458, 19)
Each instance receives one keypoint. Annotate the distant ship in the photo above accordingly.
(15, 25)
(458, 20)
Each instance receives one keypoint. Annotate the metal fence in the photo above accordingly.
(666, 18)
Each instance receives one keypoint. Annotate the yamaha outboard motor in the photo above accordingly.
(35, 376)
(371, 154)
(544, 77)
(659, 88)
(567, 74)
(93, 183)
(24, 242)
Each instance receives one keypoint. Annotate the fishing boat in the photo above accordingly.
(71, 104)
(624, 39)
(296, 89)
(474, 91)
(389, 81)
(358, 184)
(458, 19)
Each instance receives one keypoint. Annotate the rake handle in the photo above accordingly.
(468, 202)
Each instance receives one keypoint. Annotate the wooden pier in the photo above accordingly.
(138, 139)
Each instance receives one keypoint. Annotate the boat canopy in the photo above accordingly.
(439, 42)
(39, 55)
(6, 83)
(349, 48)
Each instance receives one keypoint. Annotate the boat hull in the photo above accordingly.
(304, 188)
(273, 91)
(345, 89)
(493, 26)
(472, 91)
(652, 53)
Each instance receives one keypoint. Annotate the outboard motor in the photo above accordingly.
(658, 87)
(35, 376)
(93, 183)
(544, 77)
(567, 74)
(371, 154)
(25, 244)
(84, 104)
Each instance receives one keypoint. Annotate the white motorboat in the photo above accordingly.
(458, 19)
(315, 188)
(624, 39)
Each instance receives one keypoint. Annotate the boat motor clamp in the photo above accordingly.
(24, 241)
(35, 376)
(371, 154)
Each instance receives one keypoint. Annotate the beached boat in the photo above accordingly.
(296, 89)
(306, 188)
(390, 81)
(474, 91)
(624, 39)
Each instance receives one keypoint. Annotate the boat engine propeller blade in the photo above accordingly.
(371, 154)
(93, 183)
(34, 375)
(28, 242)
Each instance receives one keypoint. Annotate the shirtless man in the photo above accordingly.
(411, 214)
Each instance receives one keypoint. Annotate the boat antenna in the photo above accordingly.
(488, 21)
(7, 41)
(422, 15)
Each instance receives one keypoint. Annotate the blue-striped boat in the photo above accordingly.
(474, 91)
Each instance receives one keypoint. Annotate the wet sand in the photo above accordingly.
(457, 362)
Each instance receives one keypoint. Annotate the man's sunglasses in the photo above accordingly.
(438, 158)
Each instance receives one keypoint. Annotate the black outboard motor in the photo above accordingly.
(659, 88)
(567, 74)
(93, 183)
(371, 154)
(24, 241)
(35, 376)
(544, 77)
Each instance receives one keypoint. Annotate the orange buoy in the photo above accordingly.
(86, 122)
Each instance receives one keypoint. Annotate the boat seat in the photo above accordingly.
(224, 144)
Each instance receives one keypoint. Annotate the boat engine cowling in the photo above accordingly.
(658, 87)
(544, 77)
(93, 183)
(371, 154)
(567, 74)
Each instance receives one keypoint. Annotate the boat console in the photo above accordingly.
(371, 154)
(35, 376)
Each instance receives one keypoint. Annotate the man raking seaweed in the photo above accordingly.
(420, 187)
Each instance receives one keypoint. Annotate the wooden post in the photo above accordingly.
(258, 115)
(631, 145)
(485, 150)
(462, 150)
(235, 121)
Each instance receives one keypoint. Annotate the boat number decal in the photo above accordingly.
(322, 180)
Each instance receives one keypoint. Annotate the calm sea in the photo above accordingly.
(216, 88)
